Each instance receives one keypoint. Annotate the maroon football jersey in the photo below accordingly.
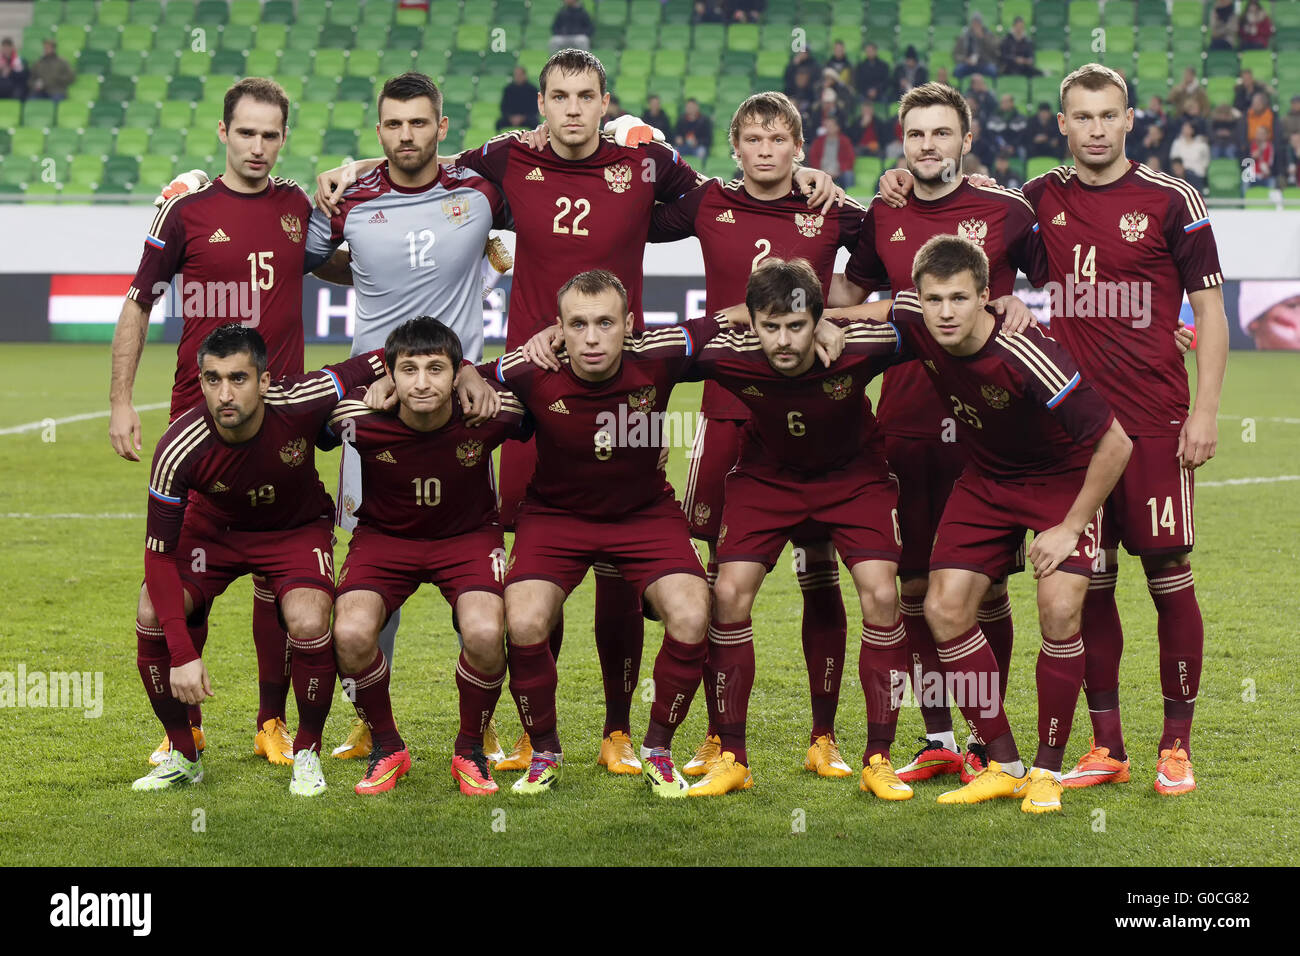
(575, 215)
(1144, 236)
(267, 483)
(806, 424)
(598, 443)
(736, 232)
(238, 258)
(999, 220)
(426, 485)
(1020, 404)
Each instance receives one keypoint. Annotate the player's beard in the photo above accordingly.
(410, 163)
(949, 168)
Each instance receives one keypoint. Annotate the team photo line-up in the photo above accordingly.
(988, 426)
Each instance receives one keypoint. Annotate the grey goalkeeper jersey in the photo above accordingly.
(414, 251)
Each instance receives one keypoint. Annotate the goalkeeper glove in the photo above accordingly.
(182, 184)
(631, 130)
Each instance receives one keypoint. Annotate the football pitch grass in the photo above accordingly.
(70, 586)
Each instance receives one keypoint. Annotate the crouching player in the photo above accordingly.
(811, 461)
(1045, 451)
(247, 455)
(429, 514)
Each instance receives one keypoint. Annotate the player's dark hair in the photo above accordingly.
(572, 62)
(231, 339)
(593, 282)
(260, 90)
(780, 286)
(423, 335)
(766, 109)
(946, 256)
(1093, 76)
(408, 86)
(935, 94)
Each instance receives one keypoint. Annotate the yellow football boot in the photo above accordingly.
(617, 755)
(492, 743)
(878, 777)
(724, 776)
(274, 743)
(520, 757)
(1043, 794)
(159, 756)
(358, 743)
(708, 752)
(824, 759)
(989, 784)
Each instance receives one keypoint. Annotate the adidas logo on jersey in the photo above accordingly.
(535, 176)
(377, 217)
(1059, 218)
(219, 236)
(751, 390)
(387, 456)
(726, 216)
(217, 486)
(898, 236)
(559, 407)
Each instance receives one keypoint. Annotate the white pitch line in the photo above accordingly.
(1246, 481)
(33, 426)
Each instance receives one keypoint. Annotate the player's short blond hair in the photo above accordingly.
(767, 109)
(593, 282)
(1093, 76)
(945, 256)
(780, 287)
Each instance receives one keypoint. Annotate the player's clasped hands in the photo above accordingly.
(1050, 548)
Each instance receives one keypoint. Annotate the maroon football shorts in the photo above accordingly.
(856, 507)
(1150, 508)
(394, 568)
(713, 454)
(210, 558)
(559, 546)
(926, 469)
(518, 462)
(984, 524)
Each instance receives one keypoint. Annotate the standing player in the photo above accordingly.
(429, 514)
(811, 458)
(587, 202)
(1137, 239)
(1045, 450)
(919, 424)
(740, 224)
(235, 245)
(416, 231)
(245, 455)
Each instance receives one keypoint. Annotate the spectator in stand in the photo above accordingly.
(518, 102)
(804, 95)
(871, 78)
(13, 75)
(1256, 27)
(572, 27)
(1259, 116)
(839, 62)
(694, 132)
(656, 117)
(1194, 114)
(1017, 53)
(828, 107)
(910, 72)
(1153, 149)
(976, 49)
(51, 74)
(1189, 89)
(1223, 25)
(1263, 153)
(1227, 133)
(708, 11)
(1245, 90)
(744, 11)
(1176, 169)
(801, 61)
(941, 76)
(1007, 125)
(1131, 85)
(1194, 151)
(1142, 119)
(844, 99)
(983, 146)
(864, 133)
(832, 152)
(1042, 135)
(614, 110)
(980, 97)
(1293, 160)
(1005, 175)
(1291, 119)
(1155, 165)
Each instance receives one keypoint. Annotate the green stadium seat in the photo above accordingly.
(132, 141)
(155, 170)
(6, 142)
(295, 63)
(103, 38)
(28, 141)
(1224, 179)
(743, 36)
(106, 115)
(46, 16)
(1017, 86)
(670, 62)
(949, 16)
(1118, 15)
(1291, 196)
(175, 114)
(357, 89)
(915, 13)
(472, 36)
(1257, 193)
(190, 63)
(122, 170)
(1036, 166)
(330, 61)
(127, 63)
(1221, 89)
(73, 115)
(918, 37)
(320, 88)
(337, 35)
(303, 38)
(212, 12)
(79, 12)
(1049, 19)
(85, 170)
(1222, 63)
(85, 88)
(340, 141)
(10, 113)
(137, 37)
(71, 40)
(1187, 13)
(371, 36)
(117, 89)
(305, 140)
(405, 38)
(1152, 13)
(278, 11)
(1046, 89)
(39, 113)
(189, 88)
(151, 87)
(459, 88)
(702, 87)
(228, 61)
(262, 63)
(1153, 68)
(178, 13)
(708, 39)
(16, 171)
(270, 36)
(1017, 8)
(200, 140)
(245, 13)
(1260, 62)
(236, 36)
(352, 114)
(395, 62)
(347, 12)
(867, 170)
(93, 62)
